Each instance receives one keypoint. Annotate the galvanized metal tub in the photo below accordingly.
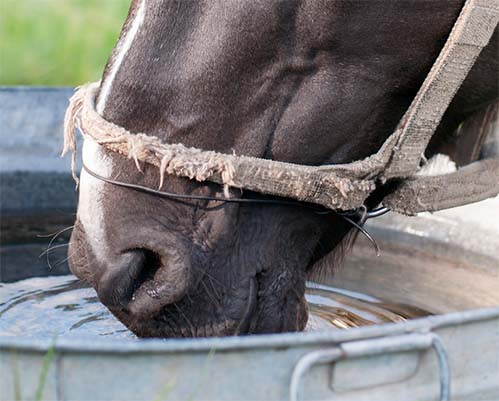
(446, 263)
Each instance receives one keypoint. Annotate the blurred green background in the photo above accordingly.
(57, 42)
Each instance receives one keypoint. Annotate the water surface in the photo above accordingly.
(44, 307)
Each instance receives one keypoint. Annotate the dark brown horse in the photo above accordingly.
(304, 81)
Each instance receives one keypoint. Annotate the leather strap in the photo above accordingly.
(470, 34)
(469, 184)
(477, 181)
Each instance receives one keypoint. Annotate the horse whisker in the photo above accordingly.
(55, 233)
(49, 246)
(191, 327)
(46, 251)
(66, 258)
(210, 295)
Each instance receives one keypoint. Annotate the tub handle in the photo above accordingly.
(361, 348)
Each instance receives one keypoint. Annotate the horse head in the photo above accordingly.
(309, 82)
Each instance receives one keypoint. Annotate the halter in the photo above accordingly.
(338, 188)
(356, 218)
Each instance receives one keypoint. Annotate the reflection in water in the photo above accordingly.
(332, 307)
(44, 307)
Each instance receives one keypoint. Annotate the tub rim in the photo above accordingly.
(250, 342)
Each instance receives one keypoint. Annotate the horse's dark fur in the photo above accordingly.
(308, 82)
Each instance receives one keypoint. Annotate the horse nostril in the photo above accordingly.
(163, 281)
(151, 264)
(142, 282)
(116, 286)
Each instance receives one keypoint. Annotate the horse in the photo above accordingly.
(310, 82)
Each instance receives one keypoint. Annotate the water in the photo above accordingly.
(60, 305)
(336, 308)
(42, 307)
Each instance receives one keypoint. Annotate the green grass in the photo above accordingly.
(57, 42)
(47, 360)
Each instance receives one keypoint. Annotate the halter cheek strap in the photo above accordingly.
(470, 34)
(336, 187)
